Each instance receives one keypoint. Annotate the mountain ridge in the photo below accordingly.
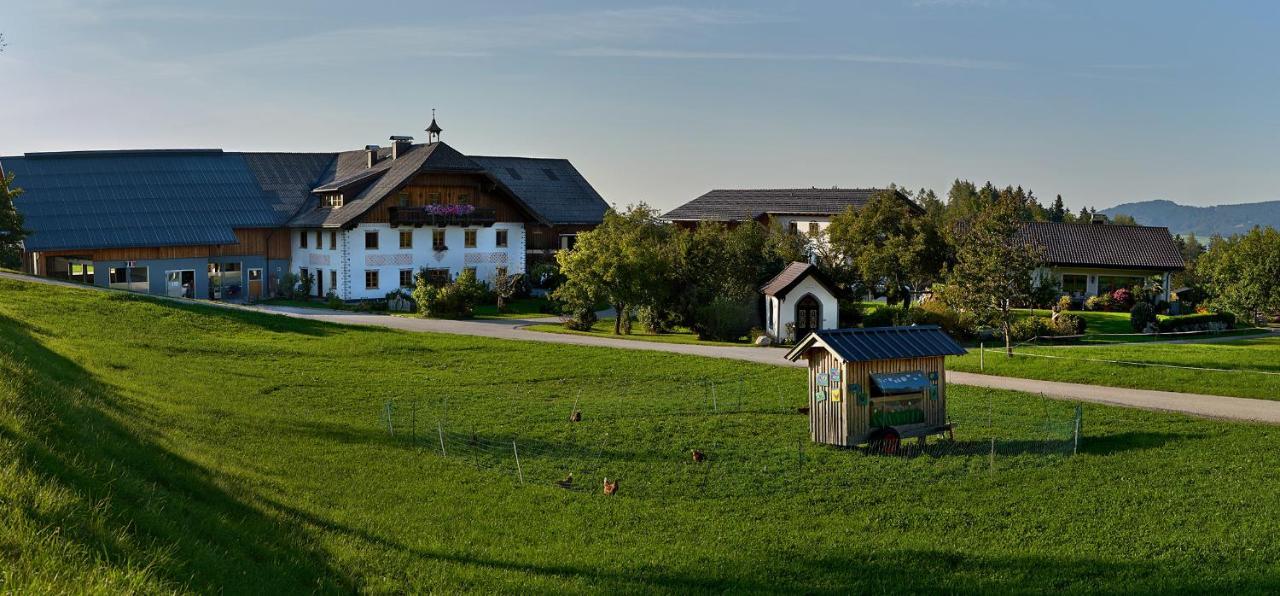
(1204, 222)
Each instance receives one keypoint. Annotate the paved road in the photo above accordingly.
(1212, 406)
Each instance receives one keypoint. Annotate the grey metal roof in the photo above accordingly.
(551, 187)
(119, 199)
(792, 275)
(880, 343)
(1105, 245)
(746, 204)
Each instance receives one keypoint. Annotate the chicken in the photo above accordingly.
(610, 487)
(576, 416)
(567, 482)
(699, 456)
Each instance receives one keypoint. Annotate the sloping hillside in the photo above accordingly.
(148, 447)
(1202, 221)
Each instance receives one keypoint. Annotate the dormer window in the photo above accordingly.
(335, 200)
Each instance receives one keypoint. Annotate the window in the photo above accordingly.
(1075, 285)
(335, 200)
(403, 199)
(793, 227)
(319, 240)
(333, 280)
(469, 239)
(437, 277)
(371, 240)
(433, 197)
(1108, 284)
(333, 240)
(502, 272)
(567, 241)
(813, 228)
(437, 240)
(133, 279)
(406, 278)
(406, 238)
(302, 273)
(464, 198)
(302, 239)
(550, 175)
(371, 280)
(501, 238)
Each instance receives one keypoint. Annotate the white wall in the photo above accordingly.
(318, 261)
(782, 309)
(352, 259)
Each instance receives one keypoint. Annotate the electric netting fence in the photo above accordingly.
(720, 436)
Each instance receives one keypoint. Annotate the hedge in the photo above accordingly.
(1189, 322)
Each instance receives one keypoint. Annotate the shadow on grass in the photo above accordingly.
(143, 505)
(265, 321)
(1132, 441)
(861, 570)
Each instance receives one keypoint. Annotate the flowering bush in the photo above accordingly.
(1123, 299)
(449, 209)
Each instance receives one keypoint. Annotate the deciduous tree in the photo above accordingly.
(11, 231)
(893, 249)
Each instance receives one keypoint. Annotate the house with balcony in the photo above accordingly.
(204, 223)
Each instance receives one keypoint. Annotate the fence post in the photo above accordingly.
(982, 356)
(413, 425)
(714, 404)
(516, 452)
(1075, 448)
(390, 427)
(440, 428)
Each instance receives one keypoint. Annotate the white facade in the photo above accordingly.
(780, 310)
(350, 263)
(1081, 283)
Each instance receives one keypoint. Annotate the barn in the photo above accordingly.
(877, 385)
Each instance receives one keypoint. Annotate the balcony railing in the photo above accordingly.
(434, 217)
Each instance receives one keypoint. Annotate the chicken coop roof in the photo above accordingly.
(880, 343)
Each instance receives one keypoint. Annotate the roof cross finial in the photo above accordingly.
(434, 130)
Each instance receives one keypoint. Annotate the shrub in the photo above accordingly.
(934, 312)
(546, 276)
(333, 301)
(1064, 303)
(510, 287)
(850, 313)
(1101, 303)
(1141, 315)
(288, 287)
(580, 319)
(885, 316)
(656, 320)
(1031, 327)
(1068, 325)
(1197, 322)
(1122, 299)
(453, 300)
(724, 319)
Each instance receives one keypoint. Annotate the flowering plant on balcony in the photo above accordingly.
(448, 210)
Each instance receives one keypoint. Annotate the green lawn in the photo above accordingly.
(523, 308)
(604, 328)
(156, 447)
(1251, 366)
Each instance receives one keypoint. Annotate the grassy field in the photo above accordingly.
(150, 447)
(1243, 368)
(604, 327)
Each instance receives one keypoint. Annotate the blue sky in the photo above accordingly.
(1103, 102)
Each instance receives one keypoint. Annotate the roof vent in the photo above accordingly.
(371, 153)
(400, 144)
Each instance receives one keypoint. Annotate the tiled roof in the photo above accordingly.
(119, 199)
(792, 275)
(1105, 245)
(746, 204)
(880, 343)
(551, 187)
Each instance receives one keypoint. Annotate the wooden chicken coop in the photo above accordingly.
(877, 386)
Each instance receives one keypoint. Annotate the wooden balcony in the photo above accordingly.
(425, 216)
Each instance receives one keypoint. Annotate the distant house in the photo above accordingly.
(802, 210)
(204, 223)
(1087, 259)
